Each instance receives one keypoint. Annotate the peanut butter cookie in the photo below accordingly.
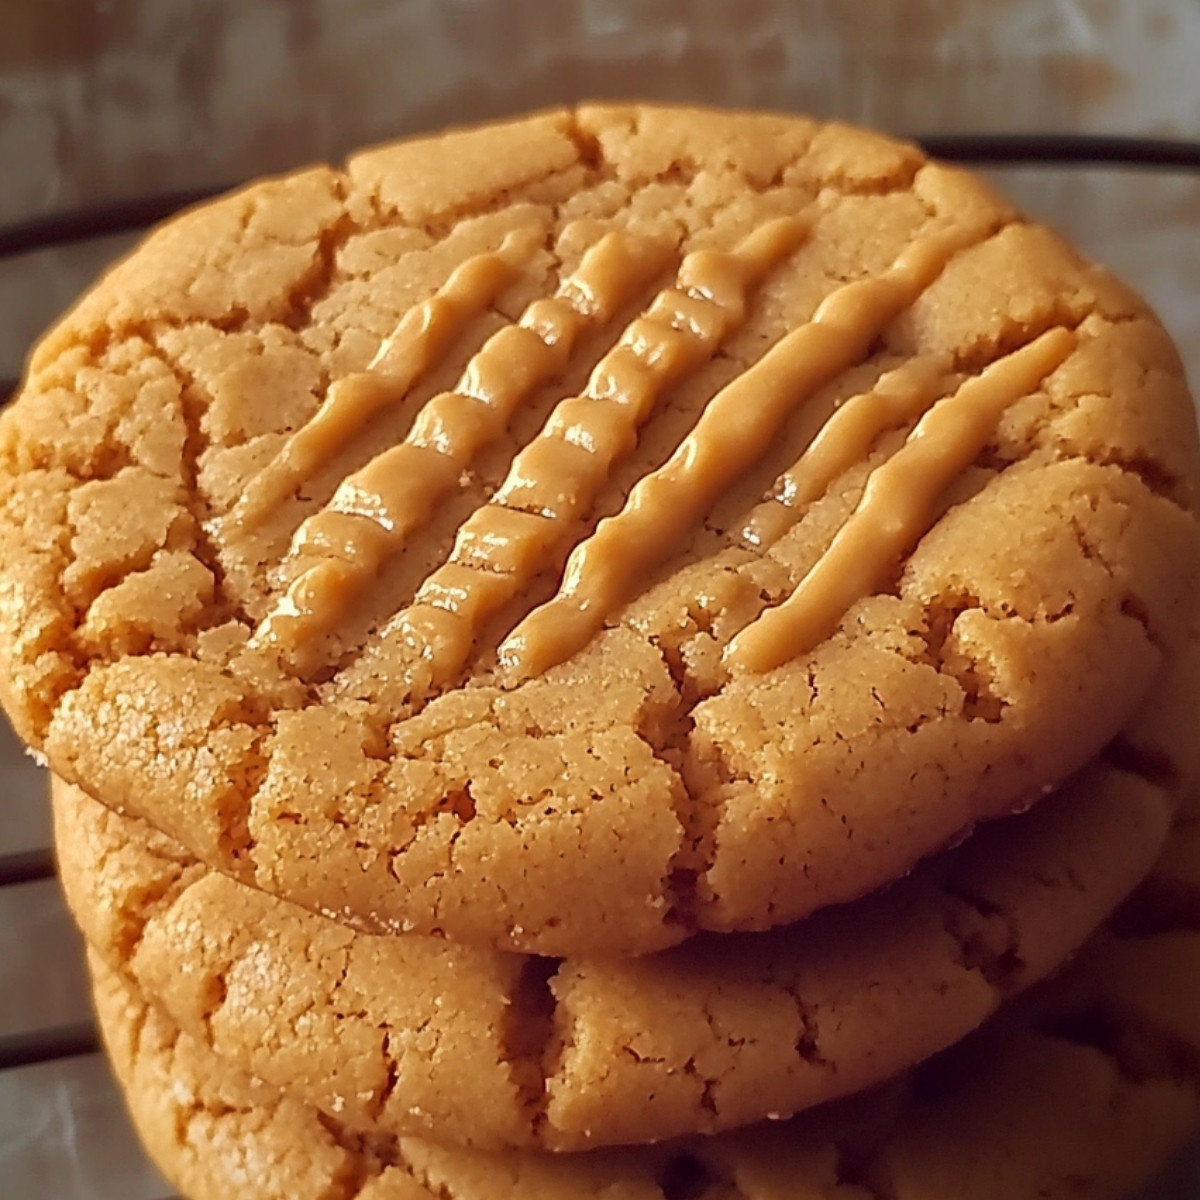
(1080, 1091)
(571, 534)
(414, 1035)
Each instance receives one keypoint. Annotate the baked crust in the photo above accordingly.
(406, 759)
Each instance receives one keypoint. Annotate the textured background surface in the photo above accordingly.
(107, 99)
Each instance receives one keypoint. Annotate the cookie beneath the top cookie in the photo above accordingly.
(1081, 1090)
(575, 533)
(415, 1035)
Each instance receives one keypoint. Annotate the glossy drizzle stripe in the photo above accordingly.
(553, 480)
(846, 438)
(375, 511)
(732, 434)
(425, 333)
(896, 507)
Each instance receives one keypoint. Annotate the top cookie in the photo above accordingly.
(573, 533)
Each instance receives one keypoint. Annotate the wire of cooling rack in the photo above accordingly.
(1064, 150)
(139, 213)
(26, 866)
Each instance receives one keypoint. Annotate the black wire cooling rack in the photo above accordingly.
(1057, 151)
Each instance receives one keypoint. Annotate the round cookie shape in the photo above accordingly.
(1082, 1089)
(414, 1035)
(572, 534)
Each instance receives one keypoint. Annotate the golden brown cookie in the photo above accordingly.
(414, 1035)
(574, 533)
(1078, 1092)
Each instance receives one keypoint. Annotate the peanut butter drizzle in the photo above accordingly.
(733, 432)
(376, 510)
(554, 480)
(844, 440)
(423, 336)
(897, 506)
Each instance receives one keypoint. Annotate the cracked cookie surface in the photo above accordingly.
(1081, 1089)
(414, 1035)
(574, 534)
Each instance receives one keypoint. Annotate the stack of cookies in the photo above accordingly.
(635, 653)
